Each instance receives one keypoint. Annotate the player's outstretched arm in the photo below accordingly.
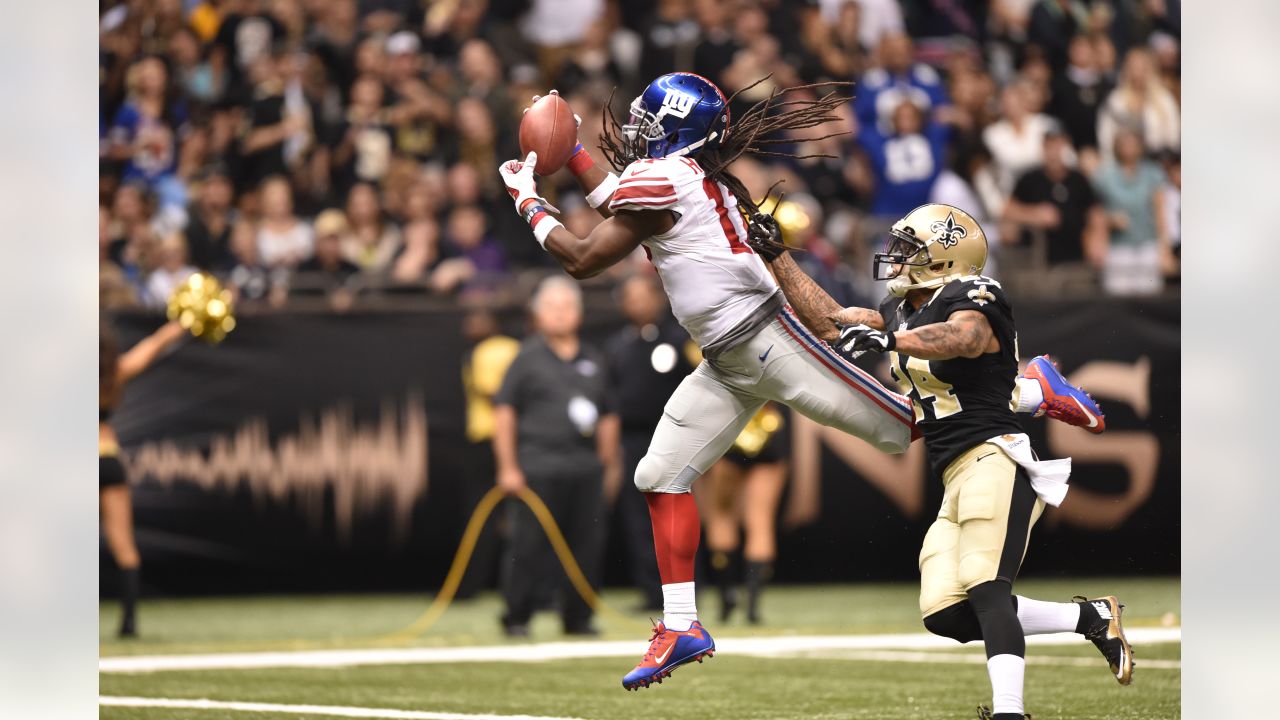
(817, 310)
(608, 243)
(965, 334)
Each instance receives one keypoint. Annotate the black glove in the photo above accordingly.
(765, 237)
(857, 339)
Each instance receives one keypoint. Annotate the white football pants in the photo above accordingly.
(785, 363)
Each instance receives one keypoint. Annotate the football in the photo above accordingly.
(549, 130)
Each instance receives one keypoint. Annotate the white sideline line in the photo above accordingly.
(537, 652)
(334, 710)
(913, 656)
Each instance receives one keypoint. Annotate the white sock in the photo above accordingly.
(679, 609)
(1030, 396)
(1039, 617)
(1006, 673)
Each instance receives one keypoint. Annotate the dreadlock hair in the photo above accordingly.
(753, 134)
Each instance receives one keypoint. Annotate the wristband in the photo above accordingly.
(580, 161)
(530, 208)
(539, 218)
(603, 191)
(544, 226)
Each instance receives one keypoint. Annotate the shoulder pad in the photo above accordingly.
(650, 184)
(978, 289)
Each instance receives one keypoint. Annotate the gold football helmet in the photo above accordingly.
(933, 245)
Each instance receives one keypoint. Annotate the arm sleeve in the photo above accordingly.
(645, 186)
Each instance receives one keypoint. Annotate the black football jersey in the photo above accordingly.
(961, 402)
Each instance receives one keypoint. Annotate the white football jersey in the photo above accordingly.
(715, 283)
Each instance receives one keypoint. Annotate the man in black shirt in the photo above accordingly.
(210, 220)
(1060, 201)
(555, 433)
(949, 335)
(269, 125)
(1078, 92)
(246, 35)
(646, 363)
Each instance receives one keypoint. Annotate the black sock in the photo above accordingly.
(1008, 716)
(724, 575)
(1089, 618)
(1001, 632)
(129, 580)
(759, 572)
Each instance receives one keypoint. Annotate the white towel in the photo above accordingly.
(1048, 477)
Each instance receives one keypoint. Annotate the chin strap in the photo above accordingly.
(900, 286)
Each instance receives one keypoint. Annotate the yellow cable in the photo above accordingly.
(467, 546)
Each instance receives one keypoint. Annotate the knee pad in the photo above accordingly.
(653, 476)
(649, 474)
(957, 622)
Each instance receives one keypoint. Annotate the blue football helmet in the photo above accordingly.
(679, 114)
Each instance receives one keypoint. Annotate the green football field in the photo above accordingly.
(834, 651)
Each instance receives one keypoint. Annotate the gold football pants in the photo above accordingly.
(982, 528)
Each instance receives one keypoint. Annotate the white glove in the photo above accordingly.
(523, 189)
(521, 185)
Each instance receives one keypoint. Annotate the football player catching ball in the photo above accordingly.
(675, 197)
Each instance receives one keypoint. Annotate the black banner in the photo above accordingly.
(327, 452)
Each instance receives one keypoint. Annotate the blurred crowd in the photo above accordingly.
(347, 149)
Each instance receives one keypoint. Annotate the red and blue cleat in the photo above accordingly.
(1062, 400)
(669, 649)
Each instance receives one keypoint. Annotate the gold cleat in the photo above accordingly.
(1108, 637)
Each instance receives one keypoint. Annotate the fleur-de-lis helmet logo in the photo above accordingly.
(947, 231)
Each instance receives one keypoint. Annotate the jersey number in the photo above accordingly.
(712, 188)
(919, 382)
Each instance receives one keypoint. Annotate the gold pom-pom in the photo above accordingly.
(202, 306)
(759, 429)
(793, 219)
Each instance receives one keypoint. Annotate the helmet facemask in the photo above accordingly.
(902, 252)
(644, 126)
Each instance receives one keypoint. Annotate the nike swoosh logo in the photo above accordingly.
(765, 354)
(980, 457)
(1093, 421)
(663, 657)
(641, 170)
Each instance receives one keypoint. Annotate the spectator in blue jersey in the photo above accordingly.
(897, 78)
(145, 132)
(905, 161)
